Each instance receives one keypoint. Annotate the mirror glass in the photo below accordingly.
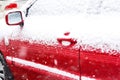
(14, 17)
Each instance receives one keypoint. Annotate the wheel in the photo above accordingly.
(2, 76)
(5, 73)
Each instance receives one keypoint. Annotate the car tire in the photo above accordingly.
(2, 78)
(5, 73)
(2, 75)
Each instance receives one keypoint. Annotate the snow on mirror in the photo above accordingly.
(14, 18)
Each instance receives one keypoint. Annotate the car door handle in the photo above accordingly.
(68, 42)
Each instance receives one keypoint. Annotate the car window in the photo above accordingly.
(57, 7)
(63, 7)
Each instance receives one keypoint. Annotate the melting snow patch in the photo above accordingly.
(87, 78)
(55, 61)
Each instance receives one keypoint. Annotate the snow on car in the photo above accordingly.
(62, 40)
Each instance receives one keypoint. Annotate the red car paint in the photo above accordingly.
(78, 62)
(99, 65)
(63, 58)
(11, 6)
(39, 61)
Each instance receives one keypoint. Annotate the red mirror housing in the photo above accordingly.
(14, 18)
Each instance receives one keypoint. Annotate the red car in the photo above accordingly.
(38, 47)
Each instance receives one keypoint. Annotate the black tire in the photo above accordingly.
(5, 72)
(2, 75)
(1, 78)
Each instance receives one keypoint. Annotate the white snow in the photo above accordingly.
(60, 7)
(91, 22)
(95, 31)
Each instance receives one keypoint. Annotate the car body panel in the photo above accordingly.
(69, 47)
(43, 59)
(41, 47)
(98, 65)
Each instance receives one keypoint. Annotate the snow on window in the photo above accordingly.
(50, 19)
(60, 7)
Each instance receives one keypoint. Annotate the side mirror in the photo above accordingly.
(14, 18)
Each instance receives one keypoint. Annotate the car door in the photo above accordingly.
(43, 48)
(42, 61)
(99, 65)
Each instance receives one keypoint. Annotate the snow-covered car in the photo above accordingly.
(59, 47)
